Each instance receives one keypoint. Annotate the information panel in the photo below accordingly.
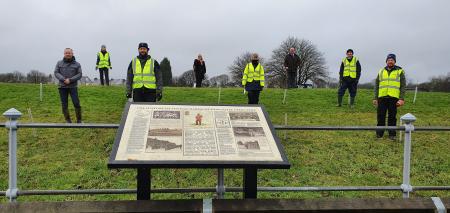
(151, 133)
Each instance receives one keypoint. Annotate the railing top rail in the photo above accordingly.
(277, 127)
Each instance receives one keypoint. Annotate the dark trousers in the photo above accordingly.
(292, 76)
(350, 85)
(253, 96)
(104, 72)
(64, 95)
(198, 80)
(389, 105)
(144, 95)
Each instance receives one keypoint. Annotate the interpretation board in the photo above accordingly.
(155, 135)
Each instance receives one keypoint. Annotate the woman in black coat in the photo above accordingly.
(199, 70)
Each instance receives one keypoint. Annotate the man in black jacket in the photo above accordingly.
(68, 72)
(291, 64)
(144, 78)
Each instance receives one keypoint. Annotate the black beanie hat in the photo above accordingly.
(143, 44)
(349, 50)
(392, 56)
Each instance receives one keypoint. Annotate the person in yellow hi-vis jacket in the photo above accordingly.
(253, 79)
(144, 77)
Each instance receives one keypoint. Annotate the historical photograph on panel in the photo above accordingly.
(248, 144)
(253, 147)
(244, 116)
(163, 144)
(166, 114)
(163, 131)
(248, 132)
(198, 119)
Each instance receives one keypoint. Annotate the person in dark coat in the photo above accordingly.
(68, 72)
(199, 70)
(291, 65)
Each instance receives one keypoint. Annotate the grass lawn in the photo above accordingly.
(77, 158)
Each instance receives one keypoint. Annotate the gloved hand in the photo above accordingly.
(158, 95)
(128, 95)
(96, 68)
(110, 68)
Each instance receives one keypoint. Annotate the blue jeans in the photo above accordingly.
(64, 95)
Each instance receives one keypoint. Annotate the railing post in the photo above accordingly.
(12, 115)
(408, 120)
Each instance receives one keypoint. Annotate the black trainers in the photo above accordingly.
(379, 136)
(392, 137)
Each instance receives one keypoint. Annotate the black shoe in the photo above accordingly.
(392, 137)
(379, 136)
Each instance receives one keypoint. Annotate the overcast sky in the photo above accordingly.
(33, 34)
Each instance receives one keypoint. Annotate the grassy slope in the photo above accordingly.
(77, 158)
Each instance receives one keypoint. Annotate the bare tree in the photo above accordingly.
(220, 80)
(238, 66)
(312, 63)
(186, 79)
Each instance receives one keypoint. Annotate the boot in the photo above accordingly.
(66, 115)
(339, 101)
(78, 114)
(352, 102)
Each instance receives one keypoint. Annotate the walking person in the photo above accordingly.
(144, 78)
(253, 79)
(349, 75)
(68, 72)
(199, 70)
(389, 94)
(103, 65)
(291, 65)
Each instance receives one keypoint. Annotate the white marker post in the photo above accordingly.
(284, 96)
(218, 98)
(40, 92)
(285, 123)
(415, 95)
(32, 121)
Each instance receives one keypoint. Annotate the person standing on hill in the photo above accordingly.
(199, 70)
(103, 64)
(253, 79)
(349, 75)
(68, 72)
(389, 94)
(291, 65)
(144, 78)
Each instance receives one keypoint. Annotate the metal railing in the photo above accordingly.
(408, 119)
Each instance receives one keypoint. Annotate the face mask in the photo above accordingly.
(255, 61)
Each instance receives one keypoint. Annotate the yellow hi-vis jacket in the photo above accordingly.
(350, 67)
(389, 83)
(144, 77)
(251, 73)
(104, 60)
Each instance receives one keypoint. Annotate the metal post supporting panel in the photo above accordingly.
(12, 115)
(408, 120)
(220, 189)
